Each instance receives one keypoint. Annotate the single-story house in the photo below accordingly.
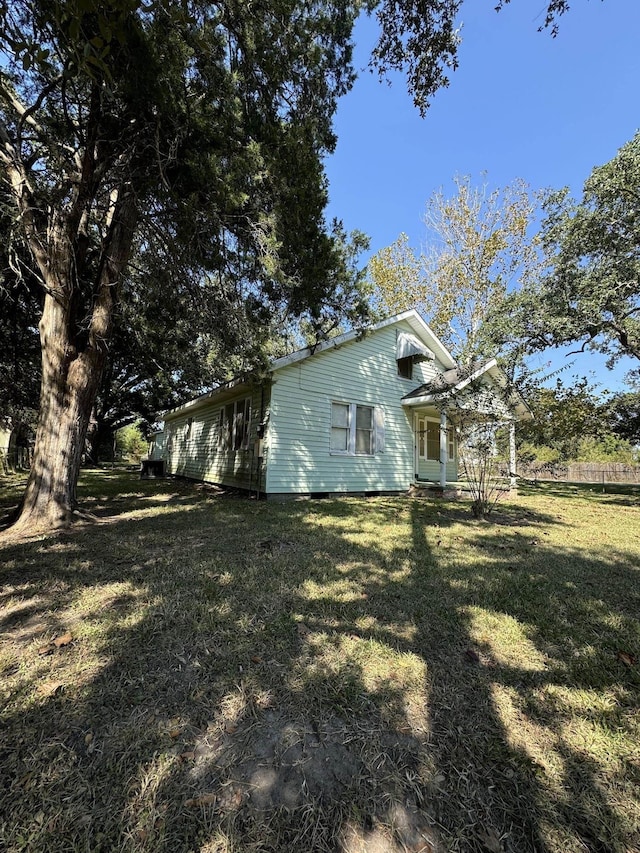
(355, 414)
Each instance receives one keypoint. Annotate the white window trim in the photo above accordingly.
(451, 444)
(351, 442)
(425, 419)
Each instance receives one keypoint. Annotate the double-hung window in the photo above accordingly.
(429, 441)
(352, 429)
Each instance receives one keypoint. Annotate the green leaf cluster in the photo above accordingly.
(590, 292)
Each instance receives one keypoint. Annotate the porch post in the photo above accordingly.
(443, 449)
(512, 454)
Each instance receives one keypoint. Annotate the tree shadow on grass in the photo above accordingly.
(246, 676)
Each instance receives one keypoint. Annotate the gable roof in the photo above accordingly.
(423, 342)
(425, 336)
(455, 380)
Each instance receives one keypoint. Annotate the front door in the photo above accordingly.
(427, 447)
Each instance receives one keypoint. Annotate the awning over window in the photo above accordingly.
(408, 346)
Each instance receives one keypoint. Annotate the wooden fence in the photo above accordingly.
(582, 472)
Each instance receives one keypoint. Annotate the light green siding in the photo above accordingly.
(196, 452)
(363, 372)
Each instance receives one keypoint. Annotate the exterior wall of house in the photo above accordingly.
(363, 372)
(193, 448)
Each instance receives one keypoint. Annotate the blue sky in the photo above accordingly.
(521, 105)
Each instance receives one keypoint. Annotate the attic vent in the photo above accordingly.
(408, 346)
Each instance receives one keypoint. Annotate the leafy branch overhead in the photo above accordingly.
(590, 293)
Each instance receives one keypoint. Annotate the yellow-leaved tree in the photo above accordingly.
(479, 245)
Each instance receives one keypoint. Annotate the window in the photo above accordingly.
(364, 430)
(429, 439)
(242, 419)
(405, 367)
(233, 425)
(340, 430)
(353, 429)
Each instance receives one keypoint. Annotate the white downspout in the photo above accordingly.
(512, 455)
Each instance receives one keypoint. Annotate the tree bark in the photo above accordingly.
(71, 370)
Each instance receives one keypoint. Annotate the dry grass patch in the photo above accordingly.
(351, 675)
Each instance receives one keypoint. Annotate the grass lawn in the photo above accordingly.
(356, 676)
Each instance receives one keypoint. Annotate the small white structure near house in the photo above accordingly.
(352, 415)
(16, 445)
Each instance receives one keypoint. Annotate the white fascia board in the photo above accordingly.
(517, 401)
(486, 368)
(412, 317)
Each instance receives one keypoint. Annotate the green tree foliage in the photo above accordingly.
(397, 278)
(131, 443)
(623, 411)
(478, 244)
(590, 293)
(572, 423)
(607, 448)
(422, 38)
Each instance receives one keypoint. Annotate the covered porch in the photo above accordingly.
(436, 461)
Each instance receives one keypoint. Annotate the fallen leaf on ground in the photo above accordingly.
(230, 728)
(203, 800)
(626, 657)
(63, 640)
(472, 655)
(303, 631)
(174, 733)
(187, 756)
(256, 659)
(46, 650)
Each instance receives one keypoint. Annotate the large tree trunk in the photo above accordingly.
(72, 363)
(69, 384)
